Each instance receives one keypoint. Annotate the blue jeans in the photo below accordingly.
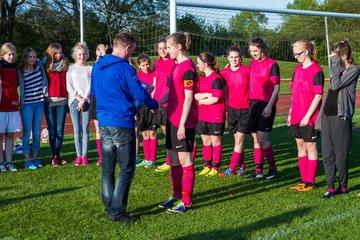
(55, 119)
(31, 115)
(81, 130)
(117, 145)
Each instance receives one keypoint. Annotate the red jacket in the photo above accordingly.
(9, 97)
(57, 84)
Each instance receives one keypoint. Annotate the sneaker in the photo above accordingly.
(163, 168)
(169, 203)
(256, 175)
(307, 188)
(298, 186)
(227, 173)
(30, 165)
(62, 161)
(328, 195)
(341, 191)
(11, 167)
(150, 164)
(78, 161)
(142, 163)
(241, 172)
(205, 171)
(2, 167)
(123, 218)
(178, 208)
(37, 163)
(55, 162)
(212, 172)
(99, 162)
(138, 161)
(84, 160)
(271, 174)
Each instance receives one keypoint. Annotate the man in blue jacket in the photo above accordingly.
(116, 87)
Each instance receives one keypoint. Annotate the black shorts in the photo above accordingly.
(92, 109)
(172, 142)
(308, 133)
(146, 120)
(161, 116)
(257, 121)
(238, 120)
(208, 128)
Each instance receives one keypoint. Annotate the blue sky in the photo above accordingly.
(278, 4)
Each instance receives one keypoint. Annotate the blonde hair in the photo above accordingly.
(77, 47)
(50, 58)
(6, 48)
(309, 46)
(182, 38)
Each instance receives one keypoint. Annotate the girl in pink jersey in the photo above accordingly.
(147, 119)
(180, 127)
(237, 77)
(307, 88)
(211, 118)
(264, 90)
(163, 66)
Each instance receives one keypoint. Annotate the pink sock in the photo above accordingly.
(207, 154)
(235, 157)
(217, 153)
(258, 159)
(312, 167)
(176, 176)
(188, 180)
(269, 155)
(193, 154)
(146, 147)
(303, 167)
(331, 190)
(167, 161)
(98, 146)
(242, 160)
(153, 149)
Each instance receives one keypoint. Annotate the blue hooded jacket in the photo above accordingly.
(116, 87)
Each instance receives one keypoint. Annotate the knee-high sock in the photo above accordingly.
(193, 154)
(167, 161)
(207, 155)
(258, 160)
(303, 167)
(188, 180)
(235, 159)
(217, 154)
(153, 149)
(242, 160)
(312, 168)
(176, 176)
(269, 155)
(98, 146)
(146, 147)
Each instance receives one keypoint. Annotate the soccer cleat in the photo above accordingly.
(271, 174)
(328, 195)
(2, 167)
(163, 168)
(78, 161)
(307, 188)
(123, 218)
(11, 167)
(341, 191)
(298, 186)
(55, 162)
(256, 175)
(227, 173)
(169, 203)
(84, 161)
(138, 161)
(142, 163)
(205, 171)
(37, 163)
(30, 165)
(212, 172)
(178, 208)
(150, 164)
(241, 172)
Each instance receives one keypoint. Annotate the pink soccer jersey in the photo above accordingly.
(238, 86)
(163, 70)
(214, 113)
(147, 78)
(305, 84)
(263, 76)
(183, 77)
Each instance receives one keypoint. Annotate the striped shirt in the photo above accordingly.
(33, 91)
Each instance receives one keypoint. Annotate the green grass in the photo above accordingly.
(65, 202)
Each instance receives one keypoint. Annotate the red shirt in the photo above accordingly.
(162, 71)
(238, 86)
(214, 113)
(147, 78)
(306, 83)
(9, 101)
(263, 76)
(57, 84)
(183, 77)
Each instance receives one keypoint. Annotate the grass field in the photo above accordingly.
(65, 202)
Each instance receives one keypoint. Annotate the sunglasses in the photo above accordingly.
(298, 54)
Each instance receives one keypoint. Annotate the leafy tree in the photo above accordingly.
(8, 10)
(248, 24)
